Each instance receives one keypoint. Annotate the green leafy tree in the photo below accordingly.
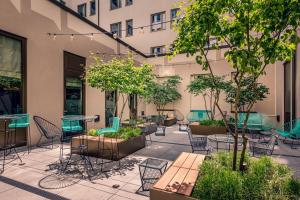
(256, 33)
(210, 87)
(119, 74)
(162, 94)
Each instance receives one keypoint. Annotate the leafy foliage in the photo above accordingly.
(256, 33)
(250, 93)
(208, 86)
(162, 94)
(263, 180)
(123, 133)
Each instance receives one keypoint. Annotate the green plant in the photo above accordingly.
(125, 133)
(119, 74)
(206, 85)
(256, 33)
(209, 122)
(92, 132)
(263, 180)
(162, 94)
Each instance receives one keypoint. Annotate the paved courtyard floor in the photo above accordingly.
(36, 179)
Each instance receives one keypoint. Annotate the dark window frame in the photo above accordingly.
(80, 5)
(119, 33)
(131, 34)
(95, 10)
(119, 6)
(161, 23)
(127, 3)
(171, 17)
(23, 41)
(152, 50)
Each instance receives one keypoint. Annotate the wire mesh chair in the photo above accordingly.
(47, 130)
(199, 143)
(263, 148)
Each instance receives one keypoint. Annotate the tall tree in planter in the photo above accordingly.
(119, 74)
(256, 33)
(161, 94)
(210, 87)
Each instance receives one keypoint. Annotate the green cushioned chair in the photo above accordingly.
(71, 126)
(255, 120)
(22, 122)
(197, 115)
(114, 129)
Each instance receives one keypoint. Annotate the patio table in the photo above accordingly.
(151, 170)
(9, 139)
(224, 139)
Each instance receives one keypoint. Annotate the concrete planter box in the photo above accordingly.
(198, 129)
(125, 147)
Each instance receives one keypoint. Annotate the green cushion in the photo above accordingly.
(72, 128)
(18, 125)
(22, 122)
(106, 130)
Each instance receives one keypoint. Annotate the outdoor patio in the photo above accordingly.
(28, 181)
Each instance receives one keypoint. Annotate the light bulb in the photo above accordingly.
(115, 35)
(92, 36)
(142, 30)
(54, 36)
(72, 37)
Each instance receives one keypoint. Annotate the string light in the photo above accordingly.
(115, 35)
(142, 30)
(92, 36)
(72, 37)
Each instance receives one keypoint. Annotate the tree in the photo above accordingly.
(256, 33)
(206, 85)
(162, 94)
(119, 74)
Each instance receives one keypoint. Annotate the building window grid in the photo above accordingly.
(116, 28)
(158, 50)
(129, 27)
(173, 16)
(128, 2)
(115, 4)
(82, 10)
(93, 7)
(158, 21)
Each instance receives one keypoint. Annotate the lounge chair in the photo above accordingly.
(263, 148)
(290, 132)
(199, 143)
(114, 129)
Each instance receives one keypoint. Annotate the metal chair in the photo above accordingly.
(263, 148)
(290, 133)
(114, 129)
(199, 143)
(47, 130)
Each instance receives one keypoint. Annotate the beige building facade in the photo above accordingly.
(44, 73)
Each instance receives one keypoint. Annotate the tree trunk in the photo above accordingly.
(205, 105)
(123, 106)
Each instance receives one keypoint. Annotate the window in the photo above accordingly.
(157, 50)
(82, 10)
(115, 4)
(174, 16)
(116, 29)
(129, 27)
(12, 74)
(93, 7)
(157, 21)
(128, 2)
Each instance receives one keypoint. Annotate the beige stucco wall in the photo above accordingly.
(33, 19)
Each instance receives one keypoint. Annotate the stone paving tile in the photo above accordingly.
(19, 194)
(131, 195)
(5, 187)
(131, 187)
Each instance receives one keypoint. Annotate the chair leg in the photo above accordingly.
(28, 140)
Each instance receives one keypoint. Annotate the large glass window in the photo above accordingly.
(11, 75)
(128, 2)
(289, 91)
(157, 21)
(174, 16)
(110, 107)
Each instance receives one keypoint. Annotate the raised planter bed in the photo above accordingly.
(125, 147)
(177, 183)
(198, 129)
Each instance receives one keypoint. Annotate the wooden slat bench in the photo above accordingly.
(179, 180)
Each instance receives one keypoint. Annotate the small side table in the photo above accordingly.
(183, 125)
(161, 131)
(150, 171)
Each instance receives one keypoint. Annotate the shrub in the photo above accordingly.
(264, 180)
(209, 122)
(125, 133)
(92, 132)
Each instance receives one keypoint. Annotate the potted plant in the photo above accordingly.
(127, 141)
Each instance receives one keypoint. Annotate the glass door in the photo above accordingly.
(110, 107)
(133, 106)
(289, 91)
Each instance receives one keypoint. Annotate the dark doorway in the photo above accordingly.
(74, 87)
(289, 91)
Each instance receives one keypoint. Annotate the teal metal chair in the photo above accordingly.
(197, 115)
(290, 132)
(114, 129)
(71, 126)
(255, 121)
(22, 122)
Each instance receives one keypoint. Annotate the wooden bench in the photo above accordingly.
(179, 180)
